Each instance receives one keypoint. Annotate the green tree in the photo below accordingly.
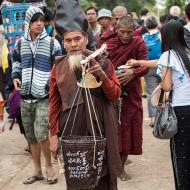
(50, 4)
(86, 3)
(131, 5)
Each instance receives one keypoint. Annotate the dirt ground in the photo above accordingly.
(152, 170)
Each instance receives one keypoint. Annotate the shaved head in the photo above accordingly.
(125, 29)
(125, 21)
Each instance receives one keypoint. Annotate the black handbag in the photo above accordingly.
(165, 125)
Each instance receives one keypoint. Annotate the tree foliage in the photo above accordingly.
(131, 5)
(50, 4)
(180, 3)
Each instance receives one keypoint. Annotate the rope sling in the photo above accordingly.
(93, 172)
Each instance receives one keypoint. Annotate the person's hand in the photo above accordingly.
(17, 83)
(54, 144)
(133, 62)
(96, 69)
(126, 76)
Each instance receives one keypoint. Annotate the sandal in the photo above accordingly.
(124, 177)
(32, 179)
(128, 162)
(151, 125)
(52, 179)
(27, 149)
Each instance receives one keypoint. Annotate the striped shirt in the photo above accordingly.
(33, 67)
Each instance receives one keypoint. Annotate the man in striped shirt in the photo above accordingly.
(32, 63)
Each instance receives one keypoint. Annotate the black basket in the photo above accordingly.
(83, 160)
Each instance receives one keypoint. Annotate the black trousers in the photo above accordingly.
(180, 149)
(2, 83)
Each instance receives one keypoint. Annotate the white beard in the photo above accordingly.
(74, 61)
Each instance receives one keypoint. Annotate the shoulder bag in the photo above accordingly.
(165, 125)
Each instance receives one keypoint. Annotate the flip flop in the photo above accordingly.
(124, 177)
(27, 150)
(32, 179)
(151, 125)
(52, 179)
(128, 162)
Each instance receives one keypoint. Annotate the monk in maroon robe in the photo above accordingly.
(117, 13)
(123, 47)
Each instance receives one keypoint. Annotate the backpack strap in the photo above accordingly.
(51, 50)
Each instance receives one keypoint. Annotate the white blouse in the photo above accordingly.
(180, 78)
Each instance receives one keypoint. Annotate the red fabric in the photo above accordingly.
(108, 35)
(138, 32)
(130, 134)
(55, 105)
(110, 87)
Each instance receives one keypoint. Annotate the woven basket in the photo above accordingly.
(80, 155)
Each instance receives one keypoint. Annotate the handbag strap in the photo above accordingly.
(162, 91)
(161, 97)
(170, 96)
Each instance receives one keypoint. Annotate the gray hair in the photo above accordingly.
(119, 9)
(175, 11)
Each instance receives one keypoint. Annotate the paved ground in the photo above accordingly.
(150, 171)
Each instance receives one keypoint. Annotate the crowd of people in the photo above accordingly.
(45, 68)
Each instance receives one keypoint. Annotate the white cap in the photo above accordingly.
(104, 13)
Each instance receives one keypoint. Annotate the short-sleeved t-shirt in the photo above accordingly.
(180, 78)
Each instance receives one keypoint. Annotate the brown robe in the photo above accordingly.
(62, 91)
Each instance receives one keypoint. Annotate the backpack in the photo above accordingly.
(153, 44)
(14, 104)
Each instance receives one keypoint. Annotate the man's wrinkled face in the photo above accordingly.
(117, 15)
(37, 26)
(91, 16)
(125, 33)
(75, 42)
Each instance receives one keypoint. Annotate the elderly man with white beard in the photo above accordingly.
(65, 76)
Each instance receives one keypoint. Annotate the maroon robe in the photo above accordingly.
(130, 134)
(108, 35)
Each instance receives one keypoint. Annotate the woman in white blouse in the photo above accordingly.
(174, 67)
